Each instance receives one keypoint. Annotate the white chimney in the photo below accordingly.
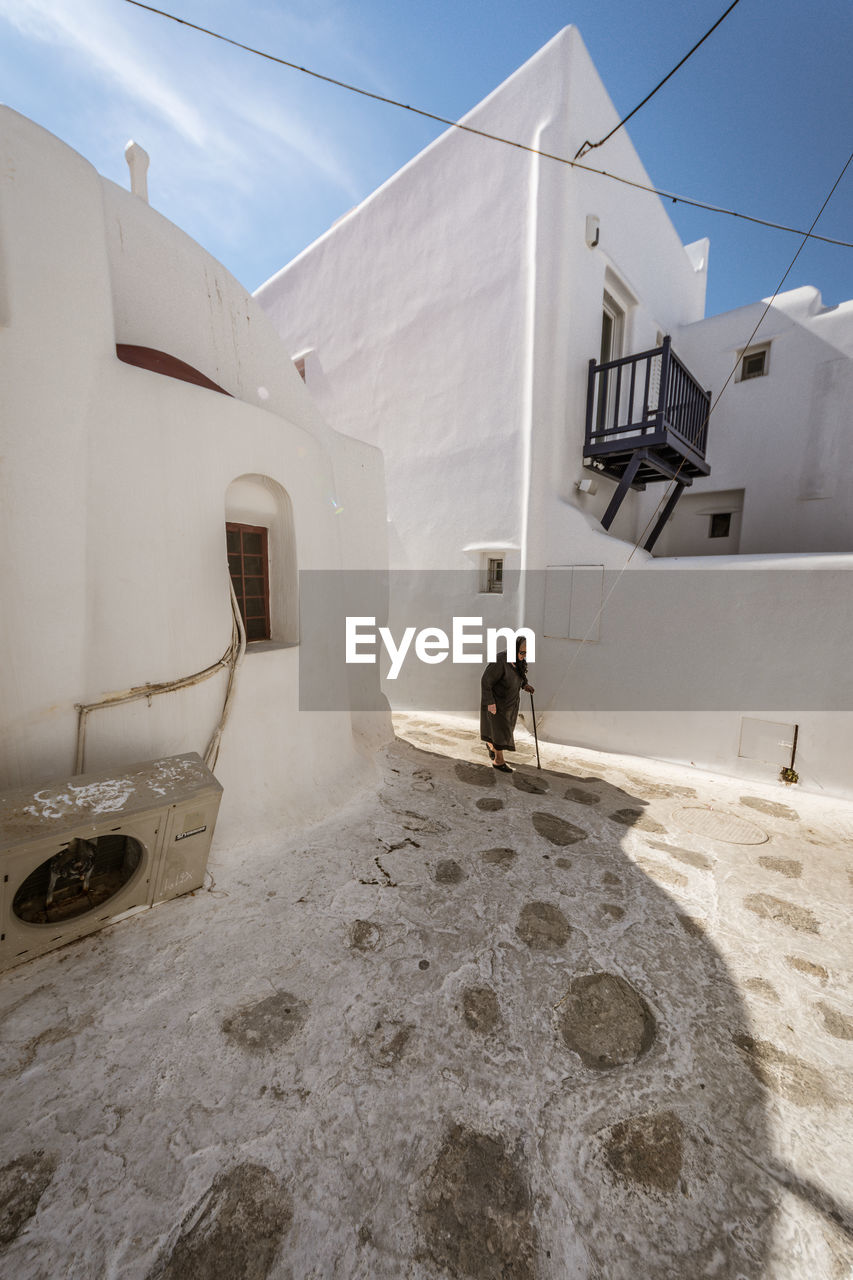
(137, 162)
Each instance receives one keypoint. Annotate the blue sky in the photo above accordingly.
(255, 161)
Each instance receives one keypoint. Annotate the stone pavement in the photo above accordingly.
(587, 1022)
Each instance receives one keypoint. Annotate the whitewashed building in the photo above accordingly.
(780, 443)
(459, 318)
(147, 405)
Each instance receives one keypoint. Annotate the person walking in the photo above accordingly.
(501, 686)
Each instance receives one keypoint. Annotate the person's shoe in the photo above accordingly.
(503, 768)
(491, 752)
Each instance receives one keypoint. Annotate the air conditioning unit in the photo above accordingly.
(82, 853)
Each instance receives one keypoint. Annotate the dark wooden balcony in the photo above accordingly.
(646, 421)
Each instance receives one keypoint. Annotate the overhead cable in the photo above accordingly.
(493, 137)
(590, 146)
(807, 235)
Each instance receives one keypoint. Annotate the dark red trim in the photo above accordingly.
(239, 578)
(162, 362)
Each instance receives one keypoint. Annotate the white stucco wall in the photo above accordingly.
(450, 319)
(777, 623)
(114, 487)
(459, 305)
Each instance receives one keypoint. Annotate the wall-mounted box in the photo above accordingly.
(78, 854)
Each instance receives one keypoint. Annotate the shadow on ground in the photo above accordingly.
(461, 1031)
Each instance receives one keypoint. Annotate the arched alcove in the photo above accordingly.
(259, 517)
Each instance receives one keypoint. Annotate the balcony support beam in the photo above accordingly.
(622, 488)
(664, 515)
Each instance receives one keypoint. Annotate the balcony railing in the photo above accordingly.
(649, 400)
(646, 420)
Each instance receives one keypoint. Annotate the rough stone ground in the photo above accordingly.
(552, 1025)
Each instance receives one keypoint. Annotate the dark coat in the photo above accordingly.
(500, 684)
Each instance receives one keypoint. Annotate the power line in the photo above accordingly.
(493, 137)
(806, 236)
(652, 519)
(590, 146)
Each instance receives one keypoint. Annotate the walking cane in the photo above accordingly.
(535, 735)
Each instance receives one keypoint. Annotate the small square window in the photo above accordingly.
(753, 364)
(721, 524)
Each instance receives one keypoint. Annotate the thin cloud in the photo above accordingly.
(280, 130)
(90, 32)
(240, 134)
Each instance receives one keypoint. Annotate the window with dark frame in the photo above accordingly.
(721, 524)
(249, 568)
(753, 364)
(612, 326)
